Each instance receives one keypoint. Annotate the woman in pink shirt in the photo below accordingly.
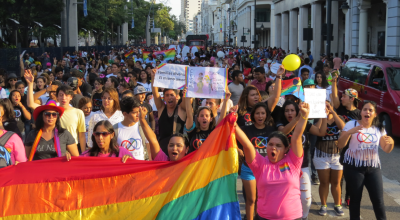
(278, 174)
(105, 143)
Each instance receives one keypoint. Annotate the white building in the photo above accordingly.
(368, 26)
(192, 7)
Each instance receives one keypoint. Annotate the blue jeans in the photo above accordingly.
(371, 178)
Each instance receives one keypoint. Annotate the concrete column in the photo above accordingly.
(278, 28)
(253, 32)
(355, 17)
(393, 29)
(69, 36)
(273, 29)
(293, 31)
(124, 32)
(303, 23)
(335, 32)
(363, 32)
(118, 35)
(285, 31)
(316, 20)
(347, 42)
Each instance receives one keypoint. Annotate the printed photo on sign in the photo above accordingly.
(206, 82)
(171, 76)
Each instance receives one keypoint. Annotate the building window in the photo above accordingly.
(263, 14)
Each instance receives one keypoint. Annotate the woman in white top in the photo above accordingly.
(109, 111)
(361, 164)
(322, 83)
(144, 80)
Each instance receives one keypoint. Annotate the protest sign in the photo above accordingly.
(275, 67)
(171, 76)
(206, 82)
(316, 99)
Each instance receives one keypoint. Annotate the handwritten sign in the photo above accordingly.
(171, 76)
(275, 67)
(206, 82)
(316, 99)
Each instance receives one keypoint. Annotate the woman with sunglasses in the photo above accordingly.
(49, 139)
(204, 123)
(105, 143)
(362, 166)
(277, 174)
(109, 110)
(10, 84)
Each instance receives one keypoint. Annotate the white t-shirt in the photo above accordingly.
(328, 92)
(129, 138)
(112, 74)
(87, 119)
(363, 146)
(147, 86)
(3, 93)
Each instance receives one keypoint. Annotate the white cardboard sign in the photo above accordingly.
(171, 76)
(316, 99)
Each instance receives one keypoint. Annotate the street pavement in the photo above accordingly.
(391, 186)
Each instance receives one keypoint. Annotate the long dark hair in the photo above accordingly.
(268, 121)
(296, 107)
(8, 108)
(113, 148)
(324, 83)
(243, 99)
(375, 122)
(39, 123)
(269, 83)
(212, 122)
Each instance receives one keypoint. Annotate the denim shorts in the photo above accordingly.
(246, 173)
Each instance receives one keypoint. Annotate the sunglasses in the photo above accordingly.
(54, 114)
(103, 134)
(12, 80)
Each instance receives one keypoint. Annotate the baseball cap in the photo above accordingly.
(308, 82)
(352, 93)
(139, 90)
(48, 64)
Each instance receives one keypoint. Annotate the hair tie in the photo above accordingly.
(126, 79)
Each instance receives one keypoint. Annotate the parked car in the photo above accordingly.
(376, 80)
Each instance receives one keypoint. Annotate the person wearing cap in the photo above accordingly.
(347, 107)
(140, 96)
(49, 139)
(309, 84)
(10, 84)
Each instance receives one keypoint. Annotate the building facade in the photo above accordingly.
(367, 26)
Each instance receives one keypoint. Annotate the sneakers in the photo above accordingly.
(338, 210)
(315, 180)
(347, 203)
(322, 210)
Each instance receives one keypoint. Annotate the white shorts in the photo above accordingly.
(323, 163)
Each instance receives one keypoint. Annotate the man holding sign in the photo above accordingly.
(171, 116)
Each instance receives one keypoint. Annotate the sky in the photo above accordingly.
(174, 4)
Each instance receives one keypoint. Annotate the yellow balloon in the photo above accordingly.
(291, 62)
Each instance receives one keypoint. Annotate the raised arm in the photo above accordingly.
(156, 96)
(29, 79)
(189, 114)
(339, 122)
(224, 108)
(296, 140)
(248, 147)
(335, 97)
(276, 94)
(21, 66)
(289, 127)
(150, 136)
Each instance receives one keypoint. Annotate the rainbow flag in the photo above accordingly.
(168, 54)
(128, 53)
(202, 185)
(293, 87)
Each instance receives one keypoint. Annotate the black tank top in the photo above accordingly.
(166, 128)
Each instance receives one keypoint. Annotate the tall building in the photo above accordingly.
(191, 8)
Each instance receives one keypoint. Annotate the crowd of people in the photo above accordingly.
(103, 104)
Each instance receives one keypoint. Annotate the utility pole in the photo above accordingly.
(255, 25)
(328, 26)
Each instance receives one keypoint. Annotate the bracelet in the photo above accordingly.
(191, 129)
(303, 116)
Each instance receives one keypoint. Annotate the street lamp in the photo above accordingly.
(262, 27)
(16, 31)
(345, 7)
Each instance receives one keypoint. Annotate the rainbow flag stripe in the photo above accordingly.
(168, 54)
(293, 87)
(129, 53)
(202, 185)
(284, 167)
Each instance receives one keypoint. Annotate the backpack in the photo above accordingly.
(5, 155)
(146, 154)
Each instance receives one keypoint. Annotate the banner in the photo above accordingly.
(292, 87)
(85, 8)
(171, 76)
(316, 99)
(168, 54)
(133, 23)
(206, 82)
(105, 188)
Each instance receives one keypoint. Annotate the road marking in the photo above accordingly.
(392, 188)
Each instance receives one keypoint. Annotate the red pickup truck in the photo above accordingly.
(376, 79)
